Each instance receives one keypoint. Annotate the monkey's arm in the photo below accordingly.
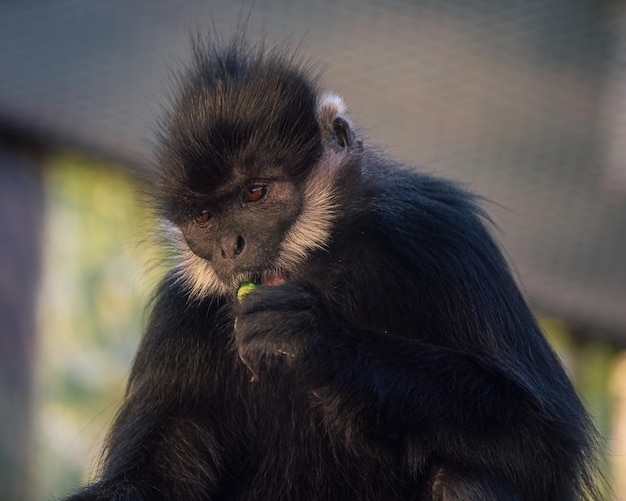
(289, 325)
(459, 406)
(164, 443)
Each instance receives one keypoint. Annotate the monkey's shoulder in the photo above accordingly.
(401, 204)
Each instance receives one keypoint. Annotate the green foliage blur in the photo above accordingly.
(91, 310)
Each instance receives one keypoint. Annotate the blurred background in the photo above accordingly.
(522, 102)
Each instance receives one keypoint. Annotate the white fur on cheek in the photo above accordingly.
(195, 273)
(312, 230)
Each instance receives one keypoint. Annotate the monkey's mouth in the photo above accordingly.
(273, 278)
(270, 278)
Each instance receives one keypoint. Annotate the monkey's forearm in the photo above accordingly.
(394, 386)
(293, 326)
(153, 455)
(412, 380)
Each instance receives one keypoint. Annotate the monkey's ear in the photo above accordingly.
(335, 127)
(343, 133)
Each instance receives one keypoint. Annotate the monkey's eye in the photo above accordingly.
(202, 217)
(254, 193)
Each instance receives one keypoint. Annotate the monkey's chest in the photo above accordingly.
(291, 454)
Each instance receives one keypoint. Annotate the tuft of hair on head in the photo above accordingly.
(237, 99)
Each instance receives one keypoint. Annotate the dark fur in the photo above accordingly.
(399, 361)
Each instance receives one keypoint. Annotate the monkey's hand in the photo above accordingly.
(276, 324)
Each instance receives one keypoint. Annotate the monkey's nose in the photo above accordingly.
(233, 248)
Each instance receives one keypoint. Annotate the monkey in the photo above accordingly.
(383, 349)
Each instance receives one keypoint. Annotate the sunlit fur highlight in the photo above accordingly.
(329, 107)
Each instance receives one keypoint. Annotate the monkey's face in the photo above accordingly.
(250, 167)
(240, 233)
